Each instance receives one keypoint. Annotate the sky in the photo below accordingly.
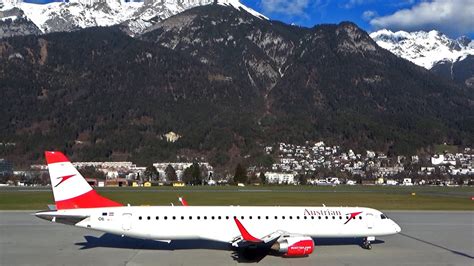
(452, 17)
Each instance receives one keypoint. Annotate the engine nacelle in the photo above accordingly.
(294, 246)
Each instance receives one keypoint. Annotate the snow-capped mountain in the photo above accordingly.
(13, 22)
(423, 48)
(137, 16)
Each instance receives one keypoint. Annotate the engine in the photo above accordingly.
(294, 246)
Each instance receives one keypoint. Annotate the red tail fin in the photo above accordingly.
(70, 189)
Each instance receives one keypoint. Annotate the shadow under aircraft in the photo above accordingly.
(246, 255)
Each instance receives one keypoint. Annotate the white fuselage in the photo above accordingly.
(217, 223)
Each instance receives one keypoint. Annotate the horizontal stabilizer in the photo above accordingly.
(61, 218)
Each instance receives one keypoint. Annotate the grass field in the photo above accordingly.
(380, 197)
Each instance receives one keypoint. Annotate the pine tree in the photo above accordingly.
(170, 173)
(240, 175)
(151, 173)
(196, 174)
(263, 178)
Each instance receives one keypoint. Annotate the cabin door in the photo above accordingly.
(369, 218)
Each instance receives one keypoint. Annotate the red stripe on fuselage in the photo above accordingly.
(90, 199)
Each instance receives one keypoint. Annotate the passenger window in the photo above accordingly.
(174, 217)
(139, 218)
(190, 217)
(157, 217)
(383, 216)
(212, 217)
(218, 217)
(283, 217)
(227, 217)
(340, 217)
(276, 217)
(333, 217)
(205, 217)
(291, 217)
(182, 217)
(199, 217)
(326, 217)
(241, 217)
(148, 217)
(297, 217)
(250, 217)
(266, 217)
(166, 217)
(360, 217)
(305, 217)
(258, 217)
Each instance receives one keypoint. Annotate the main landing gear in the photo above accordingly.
(366, 243)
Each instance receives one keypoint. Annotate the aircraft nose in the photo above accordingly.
(397, 227)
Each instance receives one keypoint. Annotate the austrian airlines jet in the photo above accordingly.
(289, 231)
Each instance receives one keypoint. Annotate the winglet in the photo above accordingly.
(245, 234)
(183, 201)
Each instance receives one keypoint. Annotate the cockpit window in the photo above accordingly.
(383, 216)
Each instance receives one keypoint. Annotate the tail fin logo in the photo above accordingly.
(63, 178)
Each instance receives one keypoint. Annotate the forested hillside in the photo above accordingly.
(224, 80)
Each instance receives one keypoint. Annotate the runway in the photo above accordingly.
(427, 238)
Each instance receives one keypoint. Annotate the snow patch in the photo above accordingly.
(137, 16)
(237, 5)
(423, 48)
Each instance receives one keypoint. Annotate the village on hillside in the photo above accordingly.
(310, 164)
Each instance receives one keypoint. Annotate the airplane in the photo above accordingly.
(286, 231)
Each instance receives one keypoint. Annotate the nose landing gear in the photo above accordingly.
(366, 242)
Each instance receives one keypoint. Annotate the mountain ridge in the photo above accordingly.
(229, 83)
(446, 57)
(136, 17)
(424, 48)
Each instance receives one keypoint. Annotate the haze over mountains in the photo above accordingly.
(226, 80)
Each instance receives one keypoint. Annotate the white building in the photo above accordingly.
(172, 136)
(407, 182)
(280, 178)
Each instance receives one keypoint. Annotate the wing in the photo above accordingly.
(246, 239)
(288, 245)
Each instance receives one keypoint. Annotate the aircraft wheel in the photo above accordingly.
(366, 244)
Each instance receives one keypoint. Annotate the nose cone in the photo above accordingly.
(397, 227)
